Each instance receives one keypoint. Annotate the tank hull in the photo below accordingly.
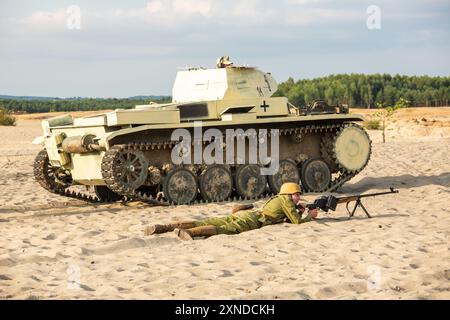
(299, 141)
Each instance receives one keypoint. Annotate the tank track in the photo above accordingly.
(340, 178)
(41, 161)
(39, 170)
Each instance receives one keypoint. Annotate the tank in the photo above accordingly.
(224, 135)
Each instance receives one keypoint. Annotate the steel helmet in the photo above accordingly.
(290, 188)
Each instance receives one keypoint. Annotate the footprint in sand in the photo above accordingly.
(86, 288)
(355, 287)
(7, 262)
(51, 236)
(256, 263)
(91, 233)
(327, 292)
(128, 244)
(226, 274)
(446, 274)
(36, 278)
(116, 247)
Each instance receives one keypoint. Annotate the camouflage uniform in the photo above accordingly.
(277, 209)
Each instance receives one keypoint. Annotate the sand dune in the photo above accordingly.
(57, 248)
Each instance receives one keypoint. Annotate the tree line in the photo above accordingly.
(66, 105)
(355, 90)
(369, 91)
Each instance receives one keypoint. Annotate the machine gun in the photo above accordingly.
(326, 203)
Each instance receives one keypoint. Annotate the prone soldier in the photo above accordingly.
(278, 209)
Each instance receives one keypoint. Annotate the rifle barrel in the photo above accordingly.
(359, 196)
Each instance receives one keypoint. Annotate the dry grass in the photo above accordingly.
(372, 124)
(6, 118)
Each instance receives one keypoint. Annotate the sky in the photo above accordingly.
(135, 47)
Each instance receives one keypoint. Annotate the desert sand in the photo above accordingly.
(57, 248)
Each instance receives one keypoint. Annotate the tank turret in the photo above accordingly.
(225, 82)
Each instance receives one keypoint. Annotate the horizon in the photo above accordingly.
(146, 96)
(137, 97)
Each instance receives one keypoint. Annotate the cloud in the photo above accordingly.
(42, 19)
(192, 7)
(253, 12)
(165, 12)
(187, 25)
(316, 16)
(154, 6)
(181, 13)
(302, 2)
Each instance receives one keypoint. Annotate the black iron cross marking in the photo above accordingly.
(265, 106)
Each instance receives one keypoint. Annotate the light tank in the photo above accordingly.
(129, 153)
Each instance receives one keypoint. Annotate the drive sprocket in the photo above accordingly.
(124, 169)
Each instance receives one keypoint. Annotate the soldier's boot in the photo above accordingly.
(189, 234)
(162, 228)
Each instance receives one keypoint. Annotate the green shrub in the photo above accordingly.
(6, 118)
(372, 124)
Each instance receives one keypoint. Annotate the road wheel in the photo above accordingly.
(180, 186)
(287, 172)
(316, 175)
(249, 182)
(216, 183)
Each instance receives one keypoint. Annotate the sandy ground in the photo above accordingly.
(57, 248)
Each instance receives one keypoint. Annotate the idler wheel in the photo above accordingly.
(287, 172)
(249, 181)
(216, 183)
(316, 175)
(352, 148)
(53, 179)
(180, 186)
